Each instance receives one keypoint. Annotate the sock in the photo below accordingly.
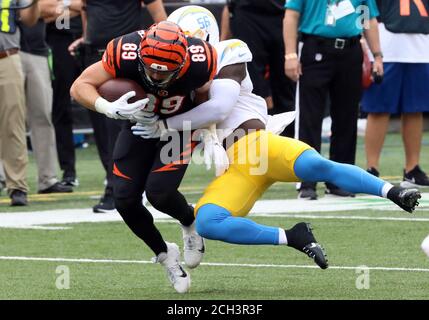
(386, 188)
(282, 237)
(393, 193)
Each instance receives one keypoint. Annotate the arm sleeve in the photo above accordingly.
(373, 9)
(224, 95)
(295, 5)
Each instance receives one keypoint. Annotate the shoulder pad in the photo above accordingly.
(232, 52)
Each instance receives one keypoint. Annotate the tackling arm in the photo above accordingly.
(224, 93)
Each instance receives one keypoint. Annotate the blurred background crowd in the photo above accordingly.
(305, 58)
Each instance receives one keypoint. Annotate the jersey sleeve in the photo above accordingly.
(110, 58)
(211, 60)
(121, 56)
(232, 51)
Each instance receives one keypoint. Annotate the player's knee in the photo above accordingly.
(158, 198)
(310, 165)
(124, 205)
(131, 209)
(207, 221)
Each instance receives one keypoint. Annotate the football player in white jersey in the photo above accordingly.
(257, 159)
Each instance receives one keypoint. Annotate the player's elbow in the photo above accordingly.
(74, 90)
(223, 110)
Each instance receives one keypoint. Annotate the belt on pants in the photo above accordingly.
(8, 52)
(333, 43)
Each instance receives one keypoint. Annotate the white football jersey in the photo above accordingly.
(249, 106)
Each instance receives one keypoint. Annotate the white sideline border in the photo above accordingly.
(291, 208)
(210, 264)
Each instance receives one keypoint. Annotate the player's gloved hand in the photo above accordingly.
(144, 117)
(120, 109)
(214, 152)
(150, 131)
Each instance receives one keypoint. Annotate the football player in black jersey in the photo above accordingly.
(175, 72)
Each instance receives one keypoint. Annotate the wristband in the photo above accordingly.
(101, 105)
(378, 54)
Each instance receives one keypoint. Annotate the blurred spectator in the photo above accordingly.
(105, 20)
(2, 178)
(13, 147)
(259, 24)
(64, 71)
(405, 42)
(38, 93)
(330, 64)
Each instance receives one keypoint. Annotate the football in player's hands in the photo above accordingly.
(113, 89)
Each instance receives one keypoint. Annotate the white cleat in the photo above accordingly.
(193, 246)
(180, 280)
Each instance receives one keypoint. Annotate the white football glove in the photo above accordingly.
(144, 117)
(150, 130)
(120, 109)
(214, 152)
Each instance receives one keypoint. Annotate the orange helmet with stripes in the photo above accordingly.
(163, 52)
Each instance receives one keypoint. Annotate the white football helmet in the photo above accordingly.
(196, 22)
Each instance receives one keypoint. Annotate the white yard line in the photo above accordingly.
(211, 264)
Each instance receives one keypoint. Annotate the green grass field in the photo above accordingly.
(106, 261)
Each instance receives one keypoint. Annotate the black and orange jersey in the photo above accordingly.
(121, 60)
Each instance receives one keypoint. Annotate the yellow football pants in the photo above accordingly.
(257, 160)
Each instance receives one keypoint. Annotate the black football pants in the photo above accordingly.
(148, 165)
(65, 71)
(337, 73)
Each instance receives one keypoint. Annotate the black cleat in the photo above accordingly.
(106, 204)
(307, 194)
(415, 178)
(18, 198)
(373, 171)
(57, 188)
(301, 238)
(407, 199)
(337, 192)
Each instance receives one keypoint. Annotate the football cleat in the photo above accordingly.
(301, 238)
(407, 199)
(193, 245)
(179, 279)
(415, 178)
